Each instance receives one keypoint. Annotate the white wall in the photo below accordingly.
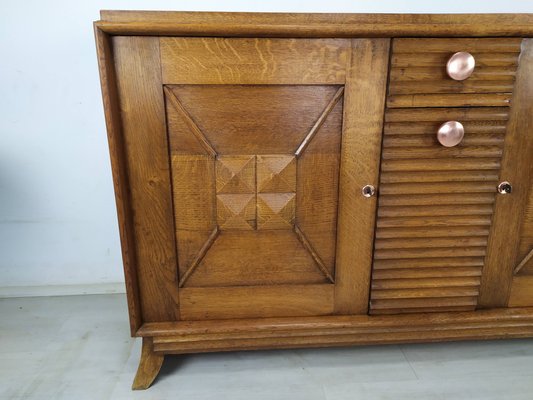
(57, 213)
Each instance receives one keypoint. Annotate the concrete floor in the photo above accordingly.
(78, 347)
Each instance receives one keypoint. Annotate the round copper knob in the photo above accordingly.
(450, 133)
(460, 66)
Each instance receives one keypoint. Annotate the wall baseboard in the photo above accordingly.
(61, 290)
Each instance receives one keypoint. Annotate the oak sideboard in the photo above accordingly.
(306, 180)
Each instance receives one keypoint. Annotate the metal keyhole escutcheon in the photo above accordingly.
(368, 190)
(505, 188)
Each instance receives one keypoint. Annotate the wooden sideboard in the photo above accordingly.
(298, 180)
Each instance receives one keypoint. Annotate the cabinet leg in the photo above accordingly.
(149, 366)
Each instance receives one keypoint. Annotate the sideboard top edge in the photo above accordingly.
(239, 24)
(160, 23)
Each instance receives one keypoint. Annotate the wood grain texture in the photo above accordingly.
(276, 174)
(316, 257)
(194, 205)
(236, 174)
(437, 262)
(430, 74)
(276, 211)
(494, 331)
(521, 292)
(194, 208)
(258, 192)
(257, 180)
(523, 263)
(432, 302)
(317, 189)
(146, 148)
(200, 254)
(206, 336)
(261, 301)
(462, 151)
(525, 250)
(421, 252)
(444, 210)
(243, 193)
(435, 187)
(434, 272)
(408, 87)
(275, 119)
(432, 231)
(427, 140)
(314, 25)
(187, 127)
(361, 144)
(453, 45)
(416, 81)
(447, 164)
(335, 324)
(407, 243)
(149, 366)
(253, 61)
(435, 206)
(258, 257)
(425, 293)
(411, 58)
(120, 180)
(319, 122)
(468, 115)
(449, 100)
(509, 210)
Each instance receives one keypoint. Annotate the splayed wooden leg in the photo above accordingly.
(149, 366)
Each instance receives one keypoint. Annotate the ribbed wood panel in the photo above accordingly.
(524, 263)
(418, 73)
(435, 209)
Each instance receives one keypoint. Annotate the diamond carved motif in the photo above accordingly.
(236, 211)
(276, 210)
(252, 192)
(276, 174)
(235, 174)
(256, 192)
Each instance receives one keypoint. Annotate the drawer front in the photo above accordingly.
(419, 78)
(435, 209)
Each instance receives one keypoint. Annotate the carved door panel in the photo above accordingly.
(255, 182)
(269, 143)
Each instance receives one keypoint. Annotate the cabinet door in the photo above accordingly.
(509, 272)
(445, 238)
(522, 284)
(248, 202)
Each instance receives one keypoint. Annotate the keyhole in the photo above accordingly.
(505, 188)
(368, 190)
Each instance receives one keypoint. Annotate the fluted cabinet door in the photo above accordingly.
(446, 236)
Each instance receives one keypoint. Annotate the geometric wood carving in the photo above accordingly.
(254, 119)
(276, 174)
(523, 263)
(256, 182)
(235, 174)
(240, 177)
(276, 210)
(236, 211)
